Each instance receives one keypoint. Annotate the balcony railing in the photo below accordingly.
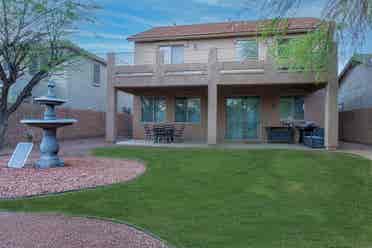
(188, 74)
(124, 58)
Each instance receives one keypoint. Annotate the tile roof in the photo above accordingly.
(223, 29)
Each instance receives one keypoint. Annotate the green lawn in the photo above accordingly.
(233, 198)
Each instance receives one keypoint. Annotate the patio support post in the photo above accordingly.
(159, 62)
(331, 103)
(111, 100)
(212, 97)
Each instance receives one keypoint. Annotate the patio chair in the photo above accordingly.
(314, 138)
(179, 133)
(159, 133)
(169, 132)
(148, 132)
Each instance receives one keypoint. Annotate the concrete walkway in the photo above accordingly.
(143, 143)
(357, 149)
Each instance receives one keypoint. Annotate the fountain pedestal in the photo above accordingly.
(49, 146)
(49, 149)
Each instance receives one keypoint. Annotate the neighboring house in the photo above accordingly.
(83, 85)
(218, 80)
(355, 100)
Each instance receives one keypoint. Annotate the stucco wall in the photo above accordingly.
(193, 131)
(269, 107)
(356, 88)
(82, 93)
(195, 51)
(314, 107)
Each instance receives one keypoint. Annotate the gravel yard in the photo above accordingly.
(79, 173)
(29, 231)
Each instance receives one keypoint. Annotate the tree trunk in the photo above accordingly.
(3, 129)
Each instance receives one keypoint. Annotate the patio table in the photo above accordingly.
(163, 133)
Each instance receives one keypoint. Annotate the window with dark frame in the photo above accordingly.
(172, 54)
(96, 74)
(247, 49)
(153, 109)
(187, 110)
(292, 108)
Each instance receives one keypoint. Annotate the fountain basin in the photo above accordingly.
(47, 100)
(49, 144)
(47, 124)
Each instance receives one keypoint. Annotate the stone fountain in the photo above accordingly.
(50, 123)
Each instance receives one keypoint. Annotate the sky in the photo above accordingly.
(118, 19)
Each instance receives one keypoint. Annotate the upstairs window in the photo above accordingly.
(187, 110)
(292, 108)
(172, 54)
(153, 109)
(246, 50)
(96, 74)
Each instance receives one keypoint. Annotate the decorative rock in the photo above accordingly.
(69, 232)
(79, 173)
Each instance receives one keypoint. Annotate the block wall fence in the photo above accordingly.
(356, 126)
(90, 124)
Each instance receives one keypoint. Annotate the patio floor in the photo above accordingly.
(357, 149)
(143, 143)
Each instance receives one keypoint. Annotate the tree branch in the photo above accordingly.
(26, 91)
(3, 76)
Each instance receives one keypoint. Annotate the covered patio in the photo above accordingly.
(222, 103)
(245, 114)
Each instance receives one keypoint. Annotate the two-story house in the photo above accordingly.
(218, 79)
(86, 76)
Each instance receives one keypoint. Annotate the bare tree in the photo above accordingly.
(353, 17)
(29, 30)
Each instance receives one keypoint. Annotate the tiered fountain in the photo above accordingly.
(50, 123)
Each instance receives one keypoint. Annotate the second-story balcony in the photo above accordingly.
(254, 72)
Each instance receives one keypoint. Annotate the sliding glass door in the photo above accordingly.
(242, 118)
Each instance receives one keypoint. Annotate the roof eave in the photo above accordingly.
(349, 66)
(209, 36)
(89, 55)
